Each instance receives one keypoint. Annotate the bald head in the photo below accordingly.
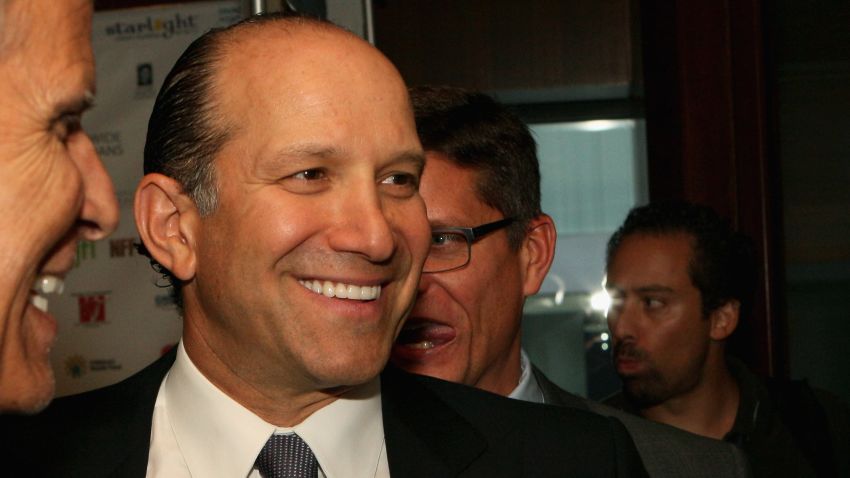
(185, 130)
(221, 84)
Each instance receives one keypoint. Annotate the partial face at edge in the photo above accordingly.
(660, 337)
(465, 324)
(319, 200)
(53, 188)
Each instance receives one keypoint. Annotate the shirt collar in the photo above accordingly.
(527, 389)
(219, 437)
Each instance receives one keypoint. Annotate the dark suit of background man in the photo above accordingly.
(482, 169)
(680, 281)
(53, 188)
(281, 195)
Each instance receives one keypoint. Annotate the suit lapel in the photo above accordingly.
(424, 435)
(131, 456)
(555, 395)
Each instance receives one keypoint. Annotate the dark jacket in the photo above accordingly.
(667, 452)
(432, 428)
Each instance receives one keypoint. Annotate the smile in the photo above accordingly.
(45, 284)
(342, 291)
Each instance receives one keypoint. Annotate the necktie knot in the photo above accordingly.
(287, 456)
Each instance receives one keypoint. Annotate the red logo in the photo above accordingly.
(166, 349)
(92, 308)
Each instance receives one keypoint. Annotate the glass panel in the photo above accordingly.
(592, 172)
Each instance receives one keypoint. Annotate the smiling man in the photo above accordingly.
(281, 196)
(491, 248)
(54, 191)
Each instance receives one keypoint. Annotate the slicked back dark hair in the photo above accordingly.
(185, 132)
(474, 131)
(723, 264)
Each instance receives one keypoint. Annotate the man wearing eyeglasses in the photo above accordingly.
(491, 248)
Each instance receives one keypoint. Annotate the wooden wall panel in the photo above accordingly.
(497, 45)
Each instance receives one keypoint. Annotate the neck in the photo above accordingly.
(502, 376)
(284, 405)
(708, 410)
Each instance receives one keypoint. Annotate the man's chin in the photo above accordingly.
(29, 396)
(641, 395)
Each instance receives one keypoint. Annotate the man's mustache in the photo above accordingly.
(629, 351)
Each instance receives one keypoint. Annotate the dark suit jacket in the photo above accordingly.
(666, 451)
(433, 429)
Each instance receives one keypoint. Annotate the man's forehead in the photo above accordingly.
(451, 192)
(651, 262)
(281, 63)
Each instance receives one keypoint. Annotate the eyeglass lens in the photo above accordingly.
(449, 250)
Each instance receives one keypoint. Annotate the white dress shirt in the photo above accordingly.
(527, 389)
(199, 431)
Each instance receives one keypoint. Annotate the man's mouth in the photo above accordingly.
(424, 335)
(341, 290)
(45, 284)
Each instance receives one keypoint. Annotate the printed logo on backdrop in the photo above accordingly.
(122, 247)
(164, 26)
(86, 251)
(229, 15)
(167, 348)
(144, 81)
(107, 143)
(92, 309)
(77, 365)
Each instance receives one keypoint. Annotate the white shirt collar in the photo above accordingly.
(219, 437)
(527, 389)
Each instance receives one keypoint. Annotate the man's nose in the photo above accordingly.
(364, 226)
(99, 214)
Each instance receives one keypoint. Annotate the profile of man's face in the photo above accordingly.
(465, 324)
(305, 270)
(53, 188)
(659, 334)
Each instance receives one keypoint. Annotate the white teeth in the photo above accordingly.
(424, 345)
(48, 284)
(45, 284)
(39, 301)
(342, 291)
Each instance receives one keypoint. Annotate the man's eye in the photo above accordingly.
(653, 303)
(66, 125)
(438, 239)
(401, 179)
(310, 175)
(447, 239)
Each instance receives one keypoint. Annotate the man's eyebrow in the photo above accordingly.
(653, 288)
(76, 105)
(645, 289)
(416, 158)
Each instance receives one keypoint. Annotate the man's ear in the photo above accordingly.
(537, 252)
(724, 320)
(168, 221)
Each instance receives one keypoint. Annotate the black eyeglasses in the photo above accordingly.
(451, 247)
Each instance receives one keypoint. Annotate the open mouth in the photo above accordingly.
(424, 335)
(44, 285)
(341, 290)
